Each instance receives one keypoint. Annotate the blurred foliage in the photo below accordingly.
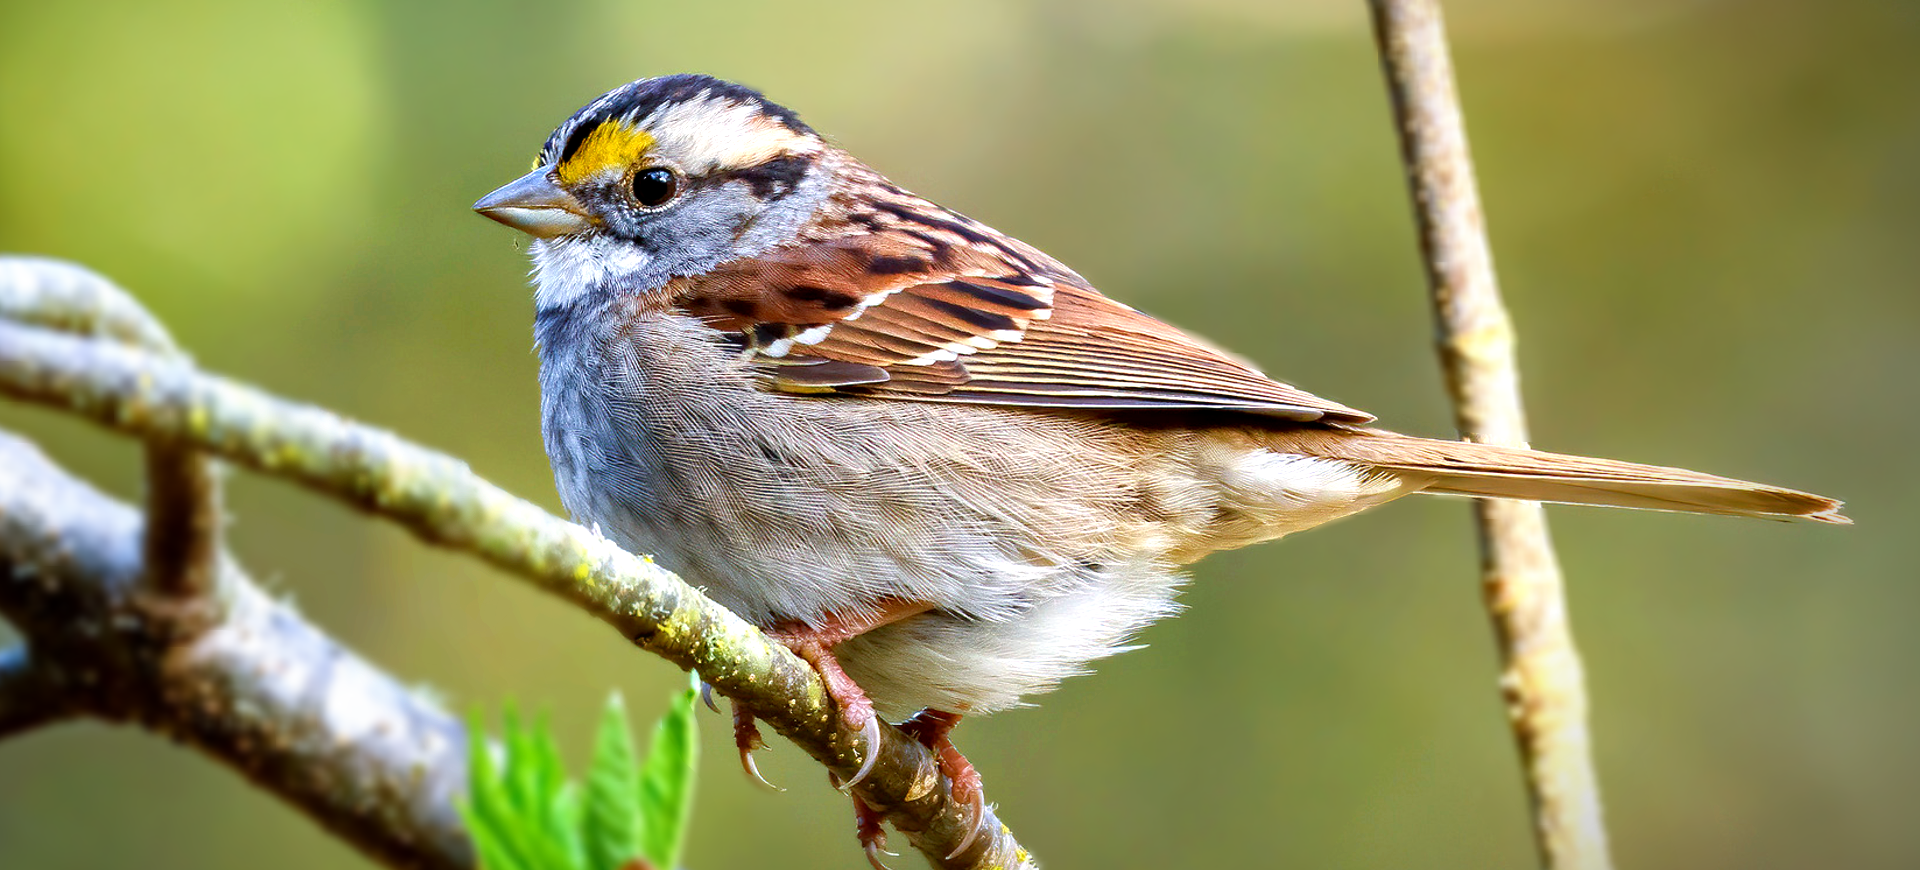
(1707, 219)
(525, 814)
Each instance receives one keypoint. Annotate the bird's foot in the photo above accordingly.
(873, 837)
(815, 645)
(933, 729)
(746, 737)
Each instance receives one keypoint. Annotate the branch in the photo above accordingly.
(30, 694)
(183, 492)
(260, 689)
(434, 496)
(1542, 677)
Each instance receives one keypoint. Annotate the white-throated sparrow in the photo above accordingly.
(927, 456)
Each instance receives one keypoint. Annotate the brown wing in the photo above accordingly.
(930, 306)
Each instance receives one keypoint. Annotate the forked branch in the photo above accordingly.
(161, 398)
(257, 687)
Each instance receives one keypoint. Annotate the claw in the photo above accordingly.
(933, 729)
(979, 807)
(746, 736)
(873, 837)
(874, 851)
(706, 696)
(753, 771)
(870, 737)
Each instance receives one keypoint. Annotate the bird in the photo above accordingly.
(932, 460)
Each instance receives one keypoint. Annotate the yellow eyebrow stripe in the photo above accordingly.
(610, 144)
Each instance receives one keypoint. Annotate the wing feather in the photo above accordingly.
(920, 303)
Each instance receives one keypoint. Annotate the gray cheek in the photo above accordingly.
(780, 219)
(721, 223)
(702, 232)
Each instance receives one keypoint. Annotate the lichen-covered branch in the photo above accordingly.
(1542, 679)
(161, 398)
(259, 688)
(183, 491)
(63, 297)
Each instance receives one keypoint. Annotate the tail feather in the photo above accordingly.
(1465, 468)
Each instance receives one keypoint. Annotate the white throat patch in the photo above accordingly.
(569, 267)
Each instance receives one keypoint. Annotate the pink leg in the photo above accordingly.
(932, 728)
(815, 643)
(746, 737)
(873, 837)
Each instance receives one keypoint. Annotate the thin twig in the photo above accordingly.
(1542, 679)
(183, 523)
(438, 499)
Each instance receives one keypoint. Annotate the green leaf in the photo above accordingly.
(522, 817)
(486, 809)
(611, 820)
(666, 784)
(502, 838)
(522, 779)
(556, 808)
(524, 814)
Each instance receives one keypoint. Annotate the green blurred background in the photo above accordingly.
(1707, 220)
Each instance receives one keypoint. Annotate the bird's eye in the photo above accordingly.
(653, 187)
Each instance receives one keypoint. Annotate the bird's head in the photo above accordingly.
(661, 178)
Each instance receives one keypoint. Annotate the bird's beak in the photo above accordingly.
(534, 205)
